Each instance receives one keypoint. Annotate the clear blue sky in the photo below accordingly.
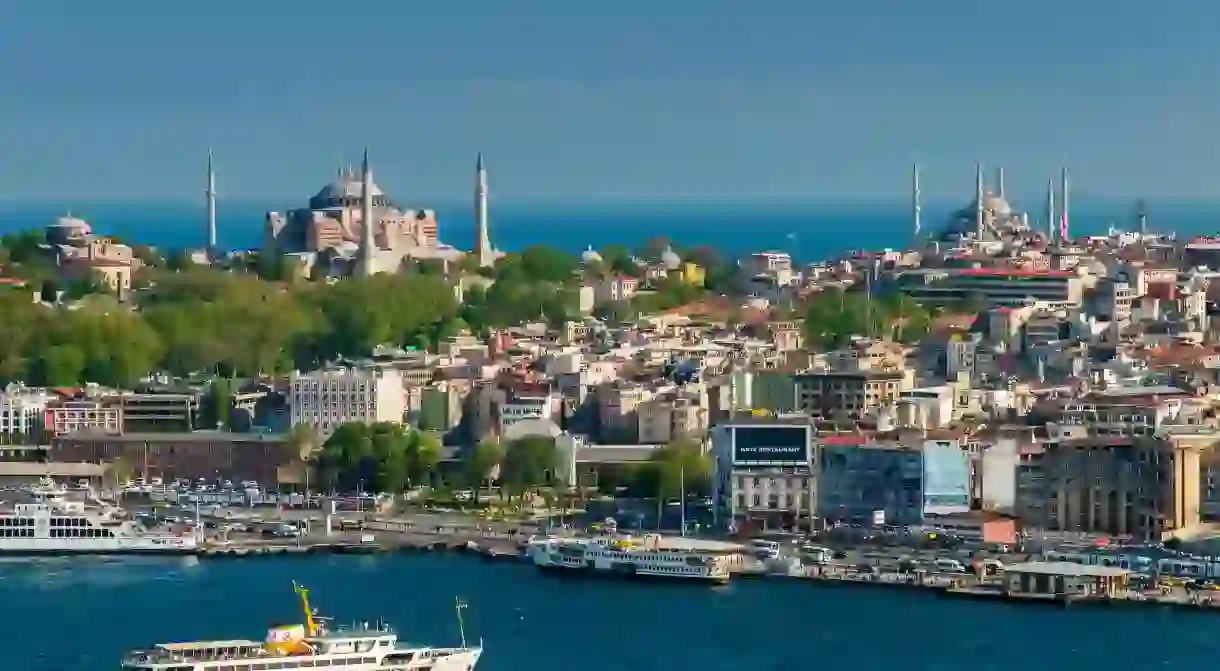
(575, 100)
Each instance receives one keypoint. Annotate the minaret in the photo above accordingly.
(1050, 210)
(482, 248)
(978, 201)
(1141, 213)
(211, 196)
(365, 261)
(915, 210)
(1063, 205)
(999, 182)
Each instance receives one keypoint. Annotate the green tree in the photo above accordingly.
(24, 246)
(423, 453)
(680, 466)
(529, 463)
(384, 456)
(480, 463)
(614, 312)
(60, 366)
(218, 403)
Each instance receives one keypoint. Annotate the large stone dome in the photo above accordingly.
(346, 191)
(997, 205)
(67, 228)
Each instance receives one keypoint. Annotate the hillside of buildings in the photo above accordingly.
(1071, 384)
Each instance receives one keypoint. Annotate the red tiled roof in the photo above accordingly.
(1013, 272)
(852, 439)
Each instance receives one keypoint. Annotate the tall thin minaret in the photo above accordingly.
(210, 193)
(482, 248)
(978, 201)
(999, 182)
(1064, 199)
(1141, 213)
(915, 209)
(1050, 210)
(365, 262)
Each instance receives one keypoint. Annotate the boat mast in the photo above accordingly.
(682, 491)
(458, 607)
(310, 624)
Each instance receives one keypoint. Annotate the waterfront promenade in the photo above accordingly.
(858, 567)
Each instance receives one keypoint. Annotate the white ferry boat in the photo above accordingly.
(49, 523)
(624, 556)
(364, 647)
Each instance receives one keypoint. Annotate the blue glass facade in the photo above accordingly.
(858, 480)
(946, 478)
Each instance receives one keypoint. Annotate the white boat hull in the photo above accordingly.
(547, 558)
(120, 545)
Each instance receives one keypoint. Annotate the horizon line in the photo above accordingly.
(264, 201)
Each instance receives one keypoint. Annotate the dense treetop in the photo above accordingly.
(833, 316)
(259, 319)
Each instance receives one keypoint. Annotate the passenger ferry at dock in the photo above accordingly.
(623, 556)
(47, 522)
(312, 645)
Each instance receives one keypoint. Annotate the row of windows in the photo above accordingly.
(774, 501)
(297, 664)
(89, 532)
(16, 522)
(17, 533)
(676, 570)
(69, 522)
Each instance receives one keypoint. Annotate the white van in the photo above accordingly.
(766, 549)
(949, 566)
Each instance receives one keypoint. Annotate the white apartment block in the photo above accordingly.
(325, 399)
(21, 410)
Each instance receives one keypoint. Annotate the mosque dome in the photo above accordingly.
(68, 228)
(346, 191)
(997, 205)
(590, 255)
(671, 260)
(75, 223)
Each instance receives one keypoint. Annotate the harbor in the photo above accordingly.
(517, 609)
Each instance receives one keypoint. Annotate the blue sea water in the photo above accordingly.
(83, 614)
(809, 230)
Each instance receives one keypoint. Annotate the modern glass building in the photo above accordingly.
(869, 483)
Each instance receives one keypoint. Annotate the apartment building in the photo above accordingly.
(1147, 487)
(869, 482)
(325, 399)
(93, 415)
(765, 472)
(22, 409)
(827, 394)
(671, 417)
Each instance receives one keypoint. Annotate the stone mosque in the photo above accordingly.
(989, 217)
(328, 237)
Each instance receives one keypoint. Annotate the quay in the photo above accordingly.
(1063, 584)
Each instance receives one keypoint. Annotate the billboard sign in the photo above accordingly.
(771, 445)
(946, 478)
